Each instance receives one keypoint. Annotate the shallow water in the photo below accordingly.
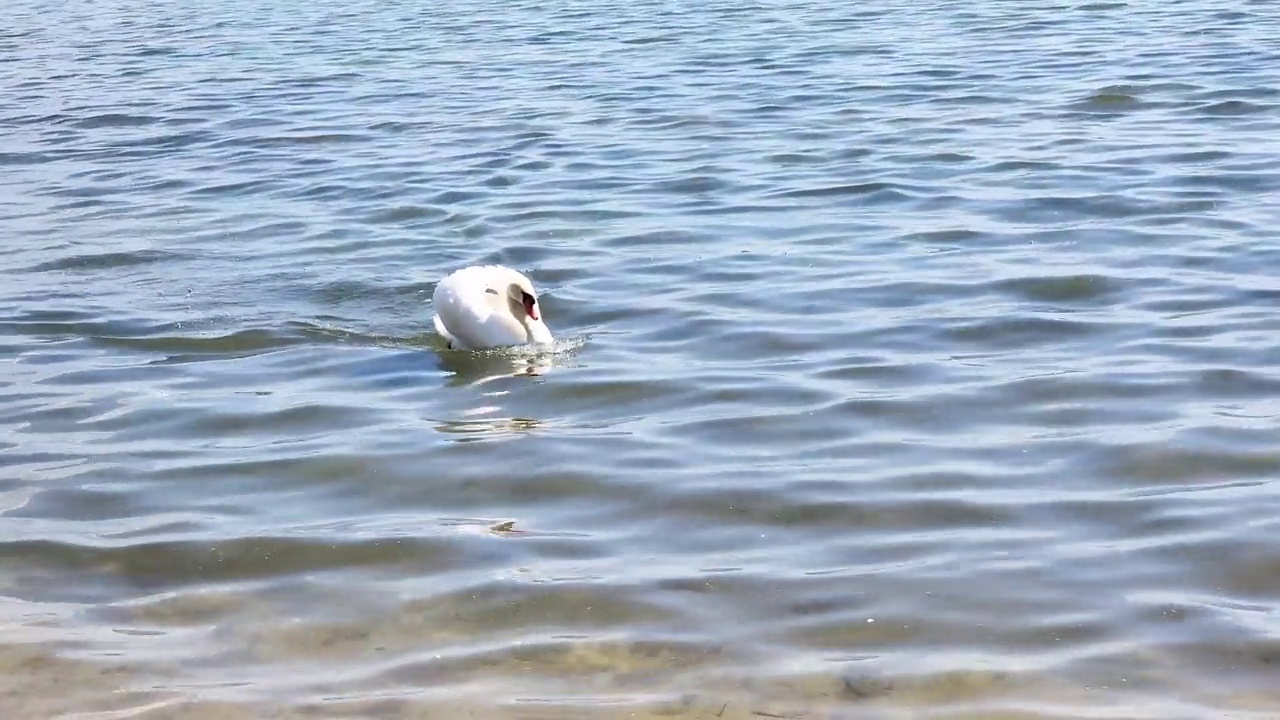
(917, 360)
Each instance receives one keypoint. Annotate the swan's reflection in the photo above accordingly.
(476, 369)
(487, 428)
(497, 374)
(479, 368)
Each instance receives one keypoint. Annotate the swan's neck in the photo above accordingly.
(538, 332)
(519, 318)
(534, 331)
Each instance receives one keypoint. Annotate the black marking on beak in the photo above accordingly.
(529, 304)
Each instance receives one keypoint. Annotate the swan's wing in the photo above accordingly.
(457, 310)
(465, 313)
(444, 332)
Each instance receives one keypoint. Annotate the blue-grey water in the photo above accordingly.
(915, 360)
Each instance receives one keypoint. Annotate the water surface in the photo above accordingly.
(917, 360)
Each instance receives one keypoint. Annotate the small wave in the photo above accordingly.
(104, 261)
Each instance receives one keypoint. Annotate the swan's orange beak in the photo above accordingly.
(531, 307)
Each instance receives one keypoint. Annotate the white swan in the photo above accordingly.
(486, 306)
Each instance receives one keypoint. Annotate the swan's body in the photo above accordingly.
(487, 306)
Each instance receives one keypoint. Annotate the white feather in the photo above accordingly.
(473, 309)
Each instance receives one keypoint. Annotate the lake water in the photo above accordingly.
(916, 360)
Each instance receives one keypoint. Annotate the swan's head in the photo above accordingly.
(522, 303)
(522, 299)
